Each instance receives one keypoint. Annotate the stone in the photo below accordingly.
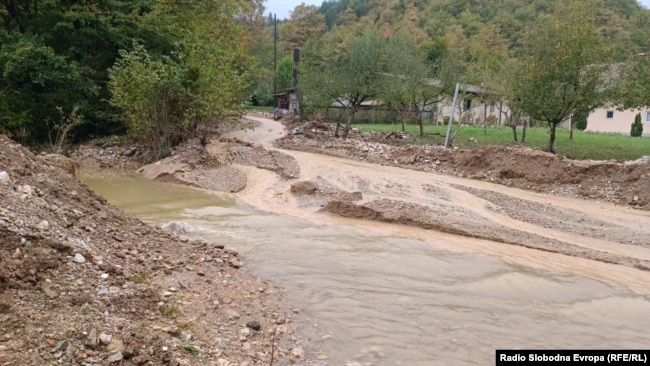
(105, 338)
(43, 225)
(130, 152)
(61, 346)
(116, 345)
(92, 338)
(48, 291)
(245, 332)
(4, 177)
(234, 263)
(223, 362)
(115, 356)
(298, 352)
(26, 191)
(254, 325)
(78, 258)
(232, 314)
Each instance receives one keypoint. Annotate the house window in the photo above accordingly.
(492, 107)
(468, 104)
(647, 117)
(610, 114)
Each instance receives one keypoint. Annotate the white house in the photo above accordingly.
(611, 120)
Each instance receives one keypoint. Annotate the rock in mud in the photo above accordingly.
(254, 325)
(4, 178)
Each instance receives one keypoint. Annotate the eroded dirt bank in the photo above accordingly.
(83, 283)
(520, 167)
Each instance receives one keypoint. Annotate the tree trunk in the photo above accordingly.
(571, 130)
(500, 112)
(403, 126)
(349, 123)
(484, 119)
(523, 132)
(514, 132)
(551, 142)
(421, 123)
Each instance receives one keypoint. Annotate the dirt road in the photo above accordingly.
(595, 238)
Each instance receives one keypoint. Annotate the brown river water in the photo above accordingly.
(379, 294)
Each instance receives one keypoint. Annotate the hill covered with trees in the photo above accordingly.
(548, 60)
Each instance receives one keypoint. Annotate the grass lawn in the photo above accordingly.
(262, 109)
(585, 145)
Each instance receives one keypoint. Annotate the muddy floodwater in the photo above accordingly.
(376, 294)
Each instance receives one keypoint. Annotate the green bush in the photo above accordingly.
(580, 120)
(155, 96)
(637, 126)
(445, 121)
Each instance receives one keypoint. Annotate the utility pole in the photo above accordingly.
(296, 73)
(275, 61)
(451, 117)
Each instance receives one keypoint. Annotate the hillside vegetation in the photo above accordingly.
(545, 61)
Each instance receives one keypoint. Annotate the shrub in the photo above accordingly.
(580, 120)
(637, 126)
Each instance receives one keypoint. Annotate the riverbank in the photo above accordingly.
(84, 283)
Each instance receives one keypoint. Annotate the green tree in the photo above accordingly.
(81, 40)
(633, 90)
(38, 88)
(305, 24)
(355, 78)
(414, 85)
(285, 73)
(637, 126)
(560, 69)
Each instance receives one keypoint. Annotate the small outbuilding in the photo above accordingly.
(286, 104)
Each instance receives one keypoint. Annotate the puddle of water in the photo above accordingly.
(387, 300)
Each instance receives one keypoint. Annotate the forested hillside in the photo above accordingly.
(151, 68)
(547, 61)
(468, 28)
(622, 21)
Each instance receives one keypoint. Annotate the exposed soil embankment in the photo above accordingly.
(81, 282)
(521, 167)
(211, 168)
(319, 192)
(462, 222)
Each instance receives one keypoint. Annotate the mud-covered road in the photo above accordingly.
(557, 228)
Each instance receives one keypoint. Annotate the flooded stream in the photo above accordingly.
(393, 299)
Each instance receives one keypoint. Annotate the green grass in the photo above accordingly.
(585, 145)
(194, 351)
(263, 109)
